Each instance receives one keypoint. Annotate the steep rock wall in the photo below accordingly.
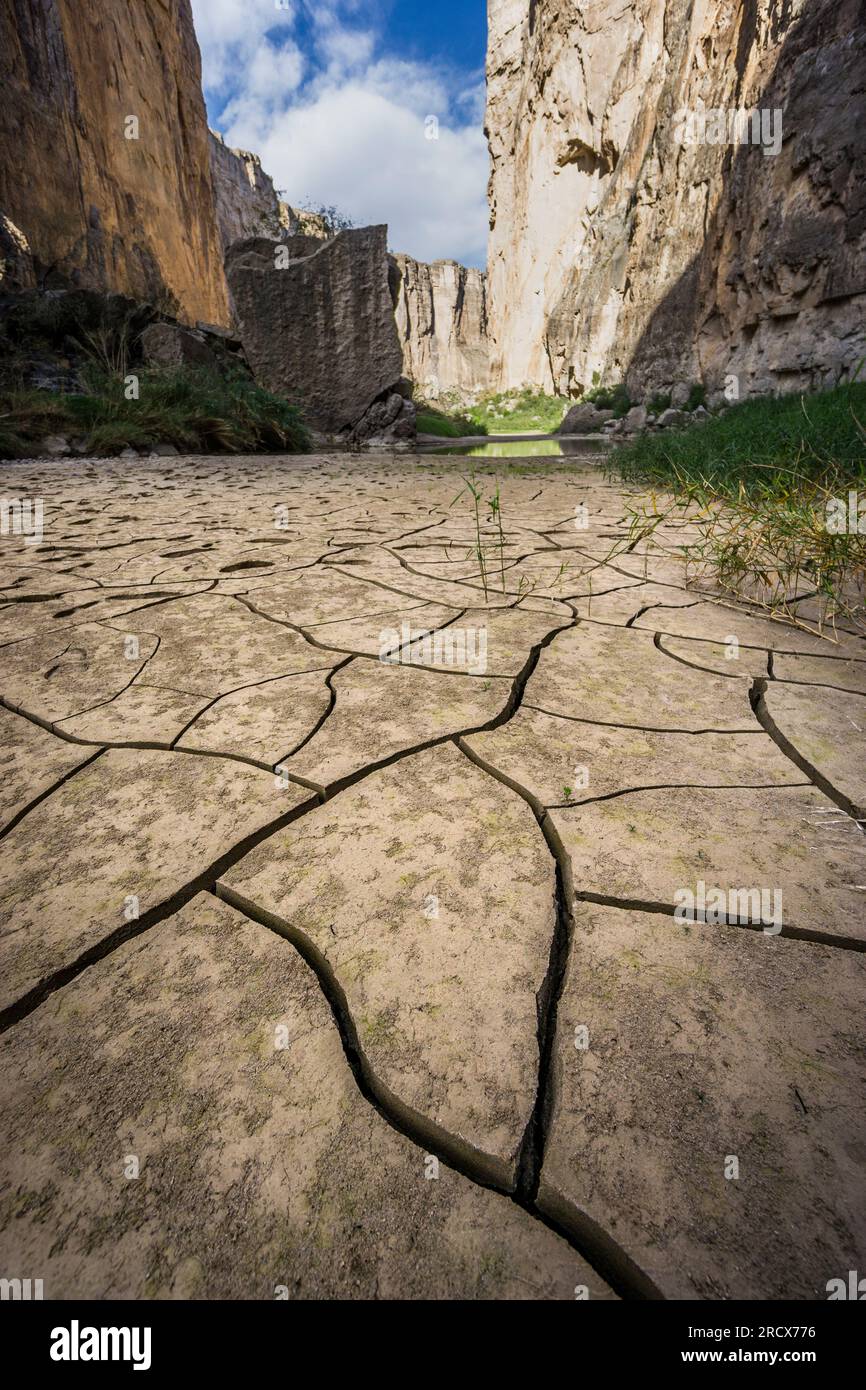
(442, 322)
(248, 205)
(617, 251)
(99, 210)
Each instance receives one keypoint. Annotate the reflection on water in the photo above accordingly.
(587, 446)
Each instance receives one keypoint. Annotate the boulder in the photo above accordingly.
(635, 420)
(54, 446)
(317, 322)
(171, 345)
(584, 418)
(389, 423)
(680, 394)
(670, 417)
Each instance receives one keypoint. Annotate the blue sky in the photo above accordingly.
(340, 98)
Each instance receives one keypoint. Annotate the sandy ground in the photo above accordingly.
(361, 930)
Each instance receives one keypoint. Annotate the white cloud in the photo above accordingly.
(233, 36)
(342, 126)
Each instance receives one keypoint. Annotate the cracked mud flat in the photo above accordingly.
(369, 968)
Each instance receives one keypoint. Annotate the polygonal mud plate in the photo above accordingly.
(709, 1105)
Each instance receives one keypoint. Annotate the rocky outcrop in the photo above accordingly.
(622, 248)
(317, 324)
(442, 322)
(104, 162)
(16, 260)
(248, 205)
(170, 346)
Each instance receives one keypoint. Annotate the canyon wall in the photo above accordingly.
(100, 208)
(248, 205)
(111, 180)
(622, 248)
(442, 322)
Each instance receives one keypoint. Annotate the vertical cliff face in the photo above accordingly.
(247, 204)
(628, 240)
(442, 322)
(98, 208)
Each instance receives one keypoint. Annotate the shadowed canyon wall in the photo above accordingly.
(619, 252)
(98, 209)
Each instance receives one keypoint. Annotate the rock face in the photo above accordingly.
(317, 322)
(619, 251)
(442, 322)
(247, 204)
(168, 345)
(99, 207)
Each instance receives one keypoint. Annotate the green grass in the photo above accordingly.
(198, 411)
(757, 482)
(519, 412)
(446, 426)
(752, 443)
(527, 411)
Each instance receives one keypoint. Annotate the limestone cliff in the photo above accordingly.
(99, 207)
(248, 205)
(442, 322)
(618, 250)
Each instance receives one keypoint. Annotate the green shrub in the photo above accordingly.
(526, 411)
(446, 426)
(615, 398)
(697, 396)
(748, 443)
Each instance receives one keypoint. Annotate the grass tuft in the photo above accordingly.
(445, 425)
(757, 486)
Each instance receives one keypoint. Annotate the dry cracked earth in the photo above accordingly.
(331, 976)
